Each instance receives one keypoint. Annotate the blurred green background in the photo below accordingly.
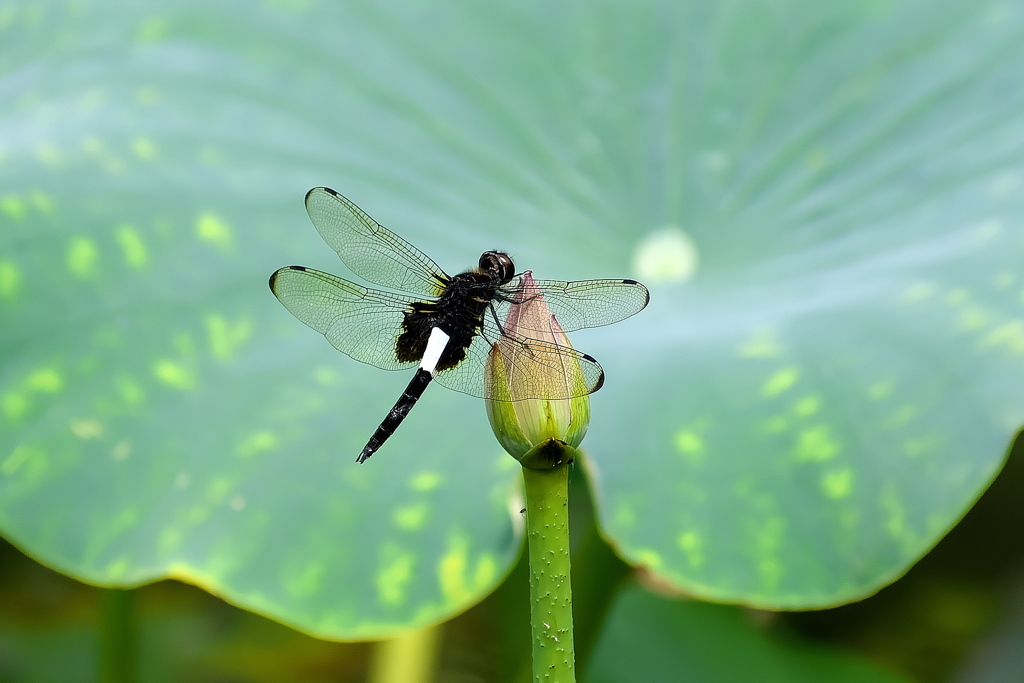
(825, 200)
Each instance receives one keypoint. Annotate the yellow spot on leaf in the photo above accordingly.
(8, 13)
(92, 145)
(46, 380)
(973, 318)
(211, 156)
(169, 539)
(880, 390)
(688, 442)
(306, 581)
(808, 405)
(394, 576)
(425, 481)
(258, 442)
(42, 201)
(988, 230)
(117, 568)
(918, 292)
(135, 252)
(197, 514)
(153, 29)
(14, 206)
(770, 570)
(126, 518)
(955, 297)
(838, 483)
(225, 337)
(920, 445)
(902, 416)
(218, 489)
(816, 159)
(779, 382)
(31, 461)
(86, 429)
(648, 557)
(1009, 335)
(82, 258)
(238, 503)
(816, 445)
(896, 514)
(121, 451)
(210, 228)
(14, 405)
(451, 570)
(173, 374)
(144, 148)
(761, 345)
(776, 424)
(131, 392)
(768, 536)
(769, 532)
(326, 376)
(1004, 279)
(486, 570)
(10, 279)
(15, 460)
(411, 517)
(147, 95)
(48, 153)
(693, 547)
(624, 515)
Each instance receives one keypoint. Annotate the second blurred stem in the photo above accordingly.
(118, 646)
(408, 658)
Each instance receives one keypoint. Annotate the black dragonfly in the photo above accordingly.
(445, 324)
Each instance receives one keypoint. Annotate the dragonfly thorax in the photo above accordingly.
(459, 312)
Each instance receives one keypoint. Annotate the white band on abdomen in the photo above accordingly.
(436, 345)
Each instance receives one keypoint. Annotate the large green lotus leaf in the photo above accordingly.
(838, 383)
(649, 638)
(792, 426)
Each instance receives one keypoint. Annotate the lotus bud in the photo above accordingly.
(539, 411)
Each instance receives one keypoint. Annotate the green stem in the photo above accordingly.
(547, 533)
(117, 636)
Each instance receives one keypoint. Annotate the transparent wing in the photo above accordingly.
(370, 250)
(536, 368)
(360, 322)
(584, 303)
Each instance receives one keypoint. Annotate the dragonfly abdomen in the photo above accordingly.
(397, 414)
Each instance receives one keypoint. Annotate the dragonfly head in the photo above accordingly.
(498, 265)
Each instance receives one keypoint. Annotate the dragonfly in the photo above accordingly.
(446, 325)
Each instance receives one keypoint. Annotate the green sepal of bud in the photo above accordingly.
(522, 427)
(548, 455)
(505, 425)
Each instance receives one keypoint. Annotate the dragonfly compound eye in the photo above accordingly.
(498, 265)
